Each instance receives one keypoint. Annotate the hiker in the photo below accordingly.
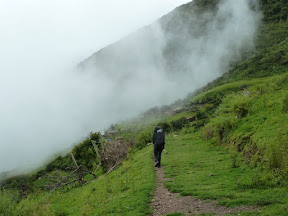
(159, 142)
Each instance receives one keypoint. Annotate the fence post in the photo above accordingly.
(74, 160)
(96, 150)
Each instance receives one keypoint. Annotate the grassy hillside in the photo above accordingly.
(271, 54)
(236, 158)
(126, 191)
(240, 156)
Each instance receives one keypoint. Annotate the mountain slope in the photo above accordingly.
(271, 55)
(169, 46)
(183, 51)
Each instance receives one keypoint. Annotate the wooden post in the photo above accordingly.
(103, 148)
(74, 160)
(97, 151)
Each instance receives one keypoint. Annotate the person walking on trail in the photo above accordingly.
(159, 143)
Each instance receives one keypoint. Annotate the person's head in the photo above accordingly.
(159, 128)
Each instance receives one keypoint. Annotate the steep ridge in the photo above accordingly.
(175, 24)
(187, 48)
(168, 47)
(271, 54)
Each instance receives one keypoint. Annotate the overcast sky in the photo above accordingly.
(40, 41)
(72, 28)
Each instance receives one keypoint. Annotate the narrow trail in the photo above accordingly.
(166, 202)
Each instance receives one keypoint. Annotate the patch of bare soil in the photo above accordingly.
(166, 202)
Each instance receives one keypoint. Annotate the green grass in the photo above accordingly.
(175, 214)
(203, 169)
(254, 124)
(228, 88)
(126, 191)
(235, 152)
(249, 160)
(237, 158)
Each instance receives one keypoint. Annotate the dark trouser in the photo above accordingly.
(158, 148)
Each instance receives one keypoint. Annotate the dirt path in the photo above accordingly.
(166, 202)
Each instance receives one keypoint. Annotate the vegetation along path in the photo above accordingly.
(166, 202)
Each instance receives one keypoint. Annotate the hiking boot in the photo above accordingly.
(157, 164)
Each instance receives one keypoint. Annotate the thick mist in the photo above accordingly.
(47, 105)
(173, 57)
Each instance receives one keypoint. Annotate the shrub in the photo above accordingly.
(208, 107)
(201, 115)
(219, 127)
(166, 127)
(188, 130)
(84, 152)
(240, 106)
(60, 163)
(235, 104)
(140, 144)
(200, 123)
(179, 124)
(20, 182)
(144, 138)
(208, 132)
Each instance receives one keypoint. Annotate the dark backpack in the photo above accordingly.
(158, 136)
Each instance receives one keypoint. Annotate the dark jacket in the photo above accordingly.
(158, 136)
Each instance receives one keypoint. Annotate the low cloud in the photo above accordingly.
(175, 56)
(47, 105)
